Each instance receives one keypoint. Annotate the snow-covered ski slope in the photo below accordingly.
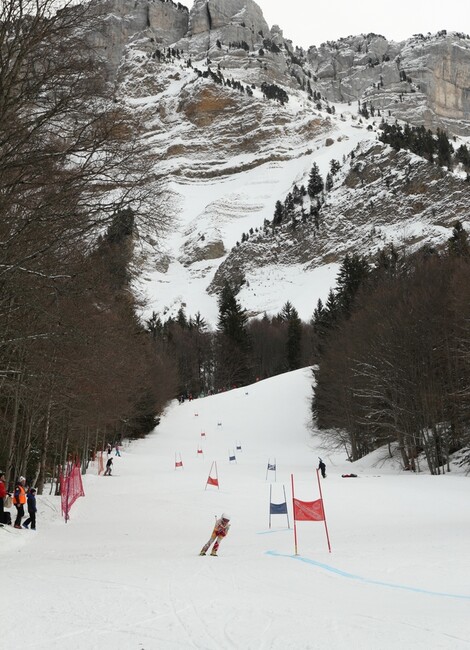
(124, 573)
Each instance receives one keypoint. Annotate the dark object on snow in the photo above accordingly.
(7, 518)
(322, 468)
(349, 475)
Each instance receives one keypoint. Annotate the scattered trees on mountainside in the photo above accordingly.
(423, 142)
(393, 345)
(273, 91)
(75, 364)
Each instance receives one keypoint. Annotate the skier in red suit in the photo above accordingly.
(221, 529)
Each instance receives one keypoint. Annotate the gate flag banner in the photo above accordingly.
(308, 510)
(271, 468)
(278, 508)
(211, 480)
(178, 460)
(71, 488)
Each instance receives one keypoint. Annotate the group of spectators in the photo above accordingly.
(22, 496)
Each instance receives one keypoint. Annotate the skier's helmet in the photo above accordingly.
(225, 516)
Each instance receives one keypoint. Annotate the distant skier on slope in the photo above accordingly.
(221, 529)
(109, 467)
(322, 468)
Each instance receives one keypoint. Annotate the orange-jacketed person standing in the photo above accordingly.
(19, 499)
(221, 529)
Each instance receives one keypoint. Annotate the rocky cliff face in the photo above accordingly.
(424, 80)
(161, 21)
(232, 17)
(223, 153)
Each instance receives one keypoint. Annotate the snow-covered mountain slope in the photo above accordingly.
(226, 161)
(124, 572)
(223, 153)
(379, 197)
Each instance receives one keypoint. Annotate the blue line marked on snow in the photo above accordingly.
(279, 530)
(351, 576)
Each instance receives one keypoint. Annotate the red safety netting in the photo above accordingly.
(100, 463)
(71, 487)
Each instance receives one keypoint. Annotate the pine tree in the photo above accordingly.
(325, 318)
(331, 314)
(154, 325)
(444, 149)
(232, 317)
(353, 272)
(315, 182)
(233, 363)
(463, 156)
(335, 166)
(458, 244)
(198, 323)
(289, 204)
(181, 318)
(329, 182)
(278, 214)
(294, 336)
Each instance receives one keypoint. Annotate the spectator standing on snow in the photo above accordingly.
(19, 500)
(109, 467)
(32, 509)
(3, 494)
(221, 529)
(116, 449)
(322, 468)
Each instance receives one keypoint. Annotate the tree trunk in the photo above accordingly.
(12, 437)
(45, 447)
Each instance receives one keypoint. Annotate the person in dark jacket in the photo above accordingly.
(109, 467)
(322, 468)
(32, 509)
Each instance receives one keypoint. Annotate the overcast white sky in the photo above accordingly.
(307, 22)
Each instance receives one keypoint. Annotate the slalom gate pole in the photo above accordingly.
(285, 501)
(210, 472)
(293, 506)
(68, 495)
(270, 493)
(324, 515)
(217, 475)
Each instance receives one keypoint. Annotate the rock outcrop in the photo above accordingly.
(161, 21)
(424, 80)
